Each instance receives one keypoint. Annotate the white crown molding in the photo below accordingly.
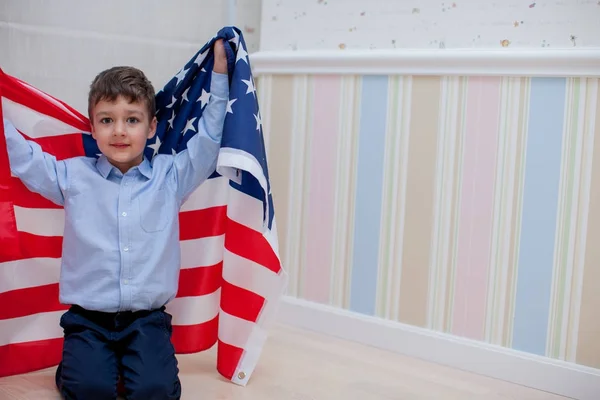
(542, 373)
(543, 62)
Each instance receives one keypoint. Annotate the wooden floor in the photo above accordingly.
(300, 365)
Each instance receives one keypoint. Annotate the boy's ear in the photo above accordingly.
(152, 130)
(93, 130)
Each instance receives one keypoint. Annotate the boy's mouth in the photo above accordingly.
(119, 145)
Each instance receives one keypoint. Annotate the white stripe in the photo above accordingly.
(245, 210)
(34, 327)
(50, 99)
(251, 276)
(33, 123)
(236, 331)
(21, 274)
(212, 193)
(202, 252)
(40, 221)
(194, 310)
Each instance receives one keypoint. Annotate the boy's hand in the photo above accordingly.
(220, 58)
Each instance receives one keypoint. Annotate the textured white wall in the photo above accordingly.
(60, 45)
(386, 24)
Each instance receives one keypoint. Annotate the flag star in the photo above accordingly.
(184, 95)
(235, 39)
(181, 75)
(173, 100)
(200, 57)
(229, 104)
(241, 54)
(250, 85)
(155, 146)
(172, 119)
(204, 98)
(258, 121)
(174, 152)
(189, 125)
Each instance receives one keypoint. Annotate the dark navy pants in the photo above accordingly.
(101, 348)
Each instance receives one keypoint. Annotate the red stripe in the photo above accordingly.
(32, 300)
(200, 280)
(195, 338)
(228, 358)
(202, 223)
(8, 223)
(16, 91)
(250, 244)
(18, 358)
(34, 246)
(62, 147)
(24, 197)
(240, 302)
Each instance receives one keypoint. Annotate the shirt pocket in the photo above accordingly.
(154, 212)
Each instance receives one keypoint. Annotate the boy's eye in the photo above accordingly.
(132, 120)
(105, 121)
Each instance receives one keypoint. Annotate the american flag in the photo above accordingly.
(231, 277)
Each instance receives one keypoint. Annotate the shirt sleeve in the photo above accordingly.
(40, 172)
(198, 161)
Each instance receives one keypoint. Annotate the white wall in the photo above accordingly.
(60, 45)
(386, 24)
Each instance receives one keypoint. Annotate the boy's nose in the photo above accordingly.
(120, 129)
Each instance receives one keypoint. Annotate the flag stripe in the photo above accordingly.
(34, 246)
(240, 302)
(30, 356)
(202, 223)
(199, 281)
(41, 222)
(194, 310)
(201, 252)
(26, 301)
(31, 327)
(195, 338)
(226, 359)
(212, 193)
(60, 146)
(20, 274)
(540, 204)
(250, 244)
(25, 198)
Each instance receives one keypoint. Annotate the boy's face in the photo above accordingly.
(121, 130)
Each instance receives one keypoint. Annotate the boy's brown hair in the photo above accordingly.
(129, 82)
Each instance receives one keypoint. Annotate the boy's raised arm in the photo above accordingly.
(40, 172)
(194, 165)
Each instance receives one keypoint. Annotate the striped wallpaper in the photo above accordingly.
(466, 205)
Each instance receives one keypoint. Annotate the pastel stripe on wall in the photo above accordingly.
(420, 191)
(324, 139)
(540, 204)
(363, 286)
(280, 148)
(588, 345)
(476, 207)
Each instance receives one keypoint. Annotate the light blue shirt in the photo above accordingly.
(121, 238)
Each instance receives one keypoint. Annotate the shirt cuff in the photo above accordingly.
(219, 85)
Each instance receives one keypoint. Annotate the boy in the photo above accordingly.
(120, 265)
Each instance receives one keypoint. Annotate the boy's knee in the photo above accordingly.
(156, 389)
(92, 389)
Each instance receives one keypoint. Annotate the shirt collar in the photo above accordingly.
(105, 167)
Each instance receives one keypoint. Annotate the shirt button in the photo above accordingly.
(126, 249)
(124, 214)
(125, 282)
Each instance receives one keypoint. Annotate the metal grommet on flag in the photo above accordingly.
(241, 375)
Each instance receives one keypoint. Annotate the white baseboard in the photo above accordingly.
(543, 62)
(542, 373)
